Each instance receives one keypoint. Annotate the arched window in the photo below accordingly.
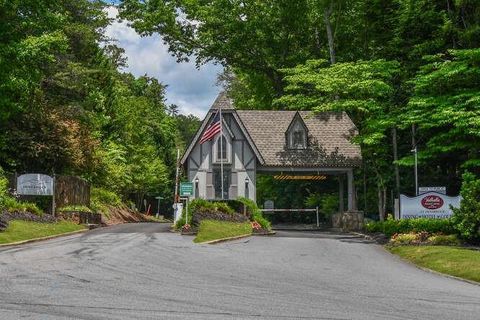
(222, 148)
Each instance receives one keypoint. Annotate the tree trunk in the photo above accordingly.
(382, 195)
(328, 26)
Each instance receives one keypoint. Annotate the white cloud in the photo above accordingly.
(192, 89)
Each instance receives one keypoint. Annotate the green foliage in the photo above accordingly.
(328, 204)
(9, 203)
(446, 106)
(213, 230)
(466, 218)
(391, 227)
(443, 240)
(255, 213)
(76, 208)
(403, 239)
(101, 198)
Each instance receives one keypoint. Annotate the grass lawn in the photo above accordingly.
(455, 261)
(19, 230)
(213, 230)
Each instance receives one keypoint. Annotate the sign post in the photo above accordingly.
(186, 191)
(158, 205)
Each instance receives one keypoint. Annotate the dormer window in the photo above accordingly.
(297, 133)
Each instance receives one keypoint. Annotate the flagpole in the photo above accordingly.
(221, 148)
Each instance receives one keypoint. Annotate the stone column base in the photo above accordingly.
(348, 221)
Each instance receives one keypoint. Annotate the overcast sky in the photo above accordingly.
(192, 89)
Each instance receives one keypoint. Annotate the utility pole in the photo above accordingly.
(177, 173)
(416, 170)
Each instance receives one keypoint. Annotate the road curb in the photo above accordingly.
(226, 239)
(430, 270)
(42, 238)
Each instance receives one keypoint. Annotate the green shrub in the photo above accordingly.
(466, 218)
(391, 227)
(77, 208)
(443, 240)
(100, 198)
(11, 204)
(255, 213)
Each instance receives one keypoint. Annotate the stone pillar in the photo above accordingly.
(351, 195)
(341, 208)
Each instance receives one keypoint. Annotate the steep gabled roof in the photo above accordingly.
(225, 104)
(330, 136)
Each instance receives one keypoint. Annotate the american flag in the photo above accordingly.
(213, 129)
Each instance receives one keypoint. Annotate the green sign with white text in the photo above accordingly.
(186, 189)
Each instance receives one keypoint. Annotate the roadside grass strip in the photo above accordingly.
(455, 261)
(19, 230)
(214, 230)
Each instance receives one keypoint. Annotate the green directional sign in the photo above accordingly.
(186, 189)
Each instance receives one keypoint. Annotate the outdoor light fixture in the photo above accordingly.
(196, 180)
(247, 180)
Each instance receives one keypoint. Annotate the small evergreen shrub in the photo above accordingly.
(466, 218)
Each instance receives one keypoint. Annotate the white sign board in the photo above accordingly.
(442, 190)
(35, 184)
(428, 205)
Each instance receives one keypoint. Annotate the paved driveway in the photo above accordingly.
(142, 271)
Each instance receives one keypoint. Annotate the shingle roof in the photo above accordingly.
(329, 138)
(222, 102)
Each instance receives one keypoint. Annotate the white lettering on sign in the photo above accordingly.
(428, 205)
(442, 190)
(35, 184)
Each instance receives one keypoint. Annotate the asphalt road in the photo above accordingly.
(142, 271)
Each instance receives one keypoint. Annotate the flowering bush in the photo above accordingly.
(423, 238)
